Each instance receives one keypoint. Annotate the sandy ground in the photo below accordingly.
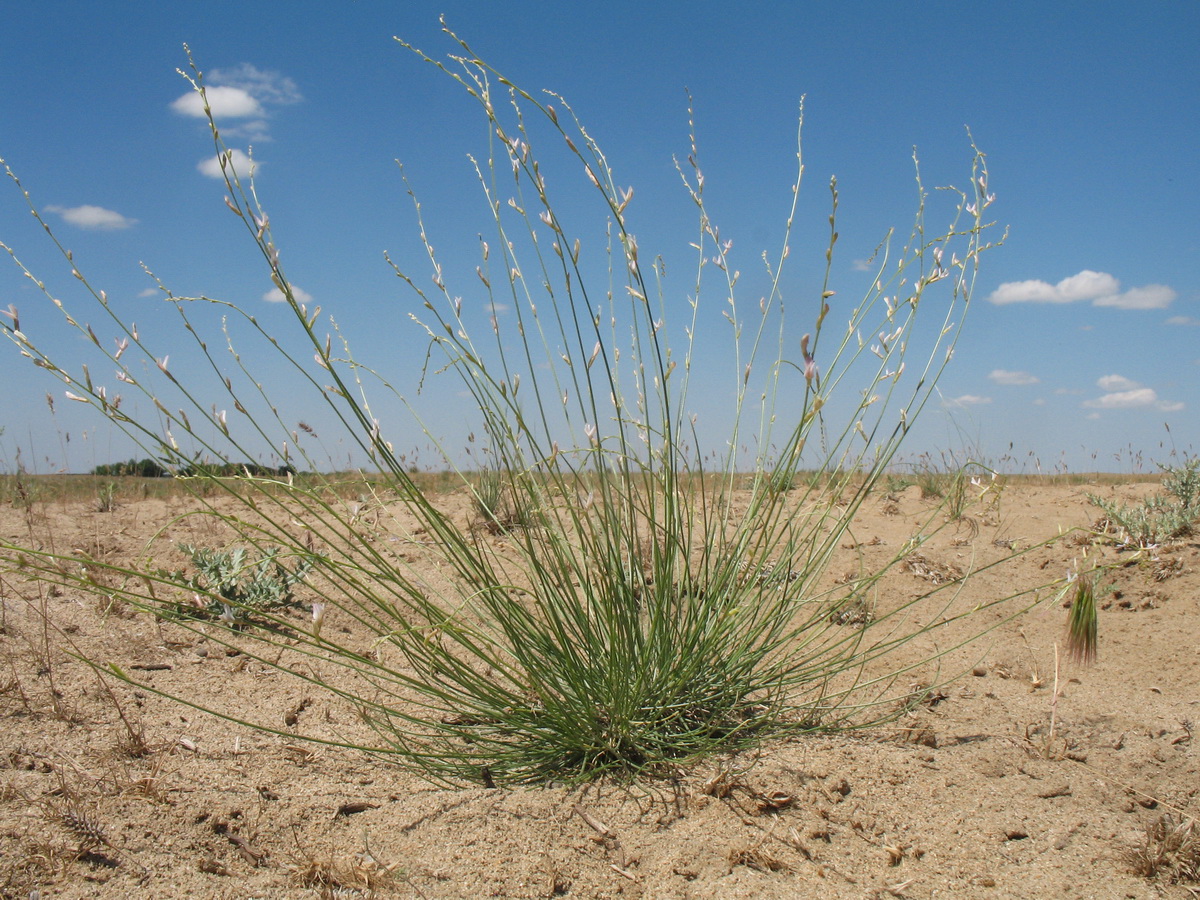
(1000, 787)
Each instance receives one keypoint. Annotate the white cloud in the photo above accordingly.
(1085, 285)
(243, 92)
(1116, 383)
(265, 86)
(241, 162)
(1100, 288)
(1123, 393)
(225, 102)
(1152, 296)
(1004, 376)
(93, 218)
(275, 295)
(1183, 320)
(1025, 292)
(968, 400)
(149, 292)
(861, 265)
(1131, 399)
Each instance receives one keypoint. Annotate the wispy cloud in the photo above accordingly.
(861, 265)
(93, 218)
(1131, 399)
(1116, 383)
(1183, 320)
(242, 163)
(270, 88)
(275, 295)
(1125, 393)
(1098, 288)
(968, 400)
(1152, 296)
(245, 94)
(1004, 376)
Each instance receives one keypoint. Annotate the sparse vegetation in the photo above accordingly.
(106, 497)
(1159, 518)
(229, 586)
(634, 616)
(1170, 850)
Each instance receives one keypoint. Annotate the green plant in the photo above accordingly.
(647, 619)
(21, 489)
(934, 484)
(503, 504)
(106, 497)
(1183, 483)
(228, 586)
(1158, 518)
(1083, 623)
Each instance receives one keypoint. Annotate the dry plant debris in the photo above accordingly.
(935, 573)
(1169, 851)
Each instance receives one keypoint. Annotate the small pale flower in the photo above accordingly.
(810, 366)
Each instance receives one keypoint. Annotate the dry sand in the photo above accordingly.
(973, 796)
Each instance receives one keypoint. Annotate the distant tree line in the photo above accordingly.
(146, 468)
(153, 468)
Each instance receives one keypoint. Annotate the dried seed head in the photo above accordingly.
(84, 827)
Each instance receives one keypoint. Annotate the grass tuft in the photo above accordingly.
(1083, 622)
(639, 597)
(1170, 851)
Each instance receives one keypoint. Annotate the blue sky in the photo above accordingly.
(1080, 349)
